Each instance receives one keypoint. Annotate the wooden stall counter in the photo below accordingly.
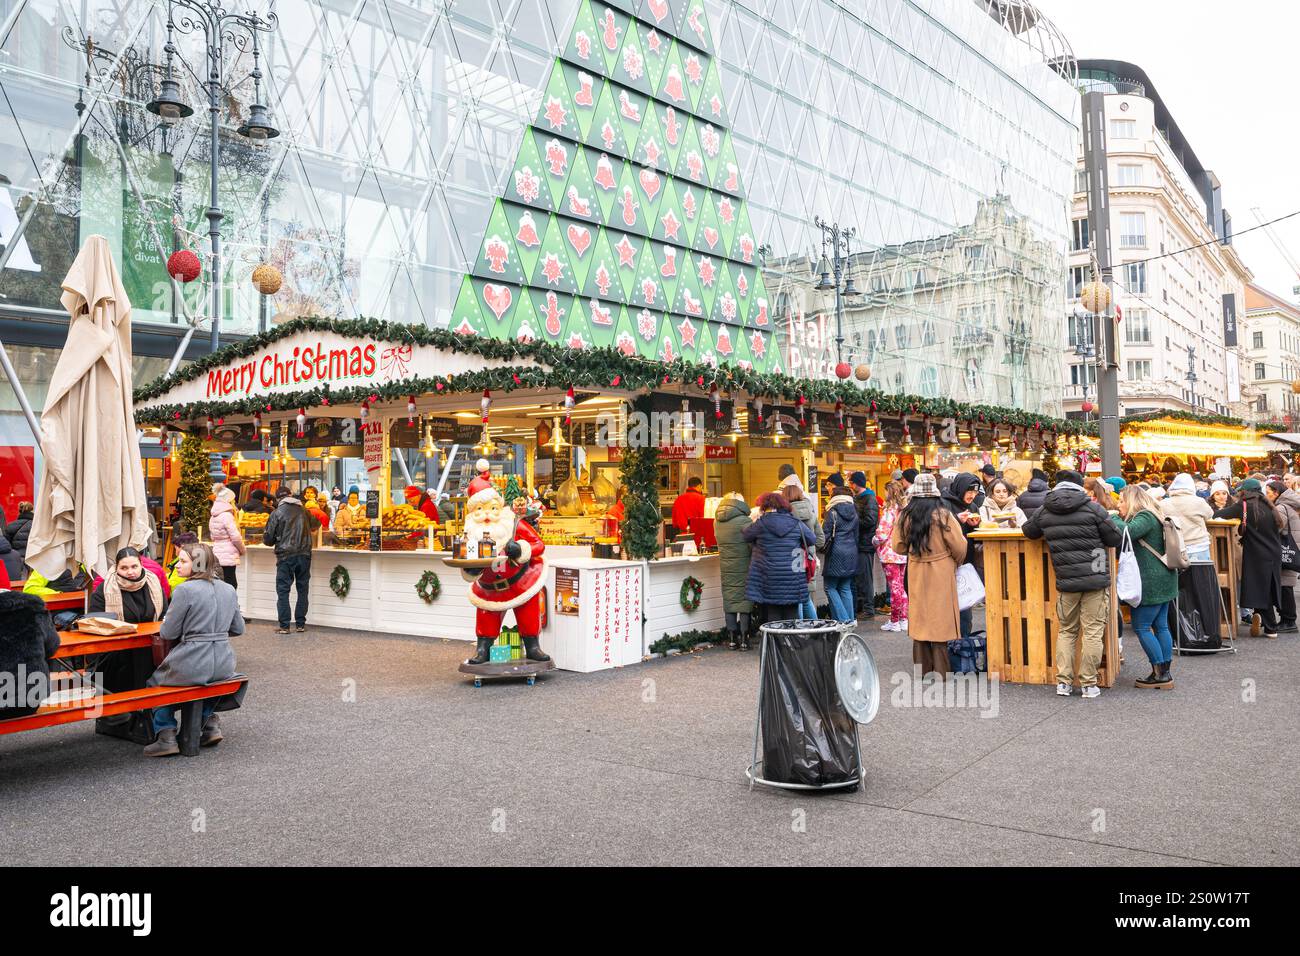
(1020, 612)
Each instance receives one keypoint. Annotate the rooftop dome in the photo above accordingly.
(1026, 22)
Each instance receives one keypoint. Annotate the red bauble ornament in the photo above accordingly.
(518, 380)
(183, 266)
(616, 380)
(1087, 407)
(843, 370)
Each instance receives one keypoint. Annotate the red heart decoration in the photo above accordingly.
(438, 386)
(579, 238)
(498, 298)
(710, 236)
(650, 182)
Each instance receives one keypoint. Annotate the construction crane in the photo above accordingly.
(1279, 245)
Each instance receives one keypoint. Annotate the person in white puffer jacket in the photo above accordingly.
(1189, 512)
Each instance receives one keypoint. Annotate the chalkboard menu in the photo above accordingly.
(372, 505)
(374, 539)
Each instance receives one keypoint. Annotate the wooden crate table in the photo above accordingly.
(1020, 612)
(1225, 549)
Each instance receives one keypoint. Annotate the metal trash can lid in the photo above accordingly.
(857, 679)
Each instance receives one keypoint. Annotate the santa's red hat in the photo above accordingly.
(480, 490)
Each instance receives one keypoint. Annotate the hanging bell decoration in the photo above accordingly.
(302, 420)
(410, 410)
(485, 405)
(267, 279)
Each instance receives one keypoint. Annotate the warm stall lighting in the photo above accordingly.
(1199, 441)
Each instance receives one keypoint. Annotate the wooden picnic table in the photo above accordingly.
(65, 601)
(79, 643)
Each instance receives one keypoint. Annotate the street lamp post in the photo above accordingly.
(837, 265)
(217, 27)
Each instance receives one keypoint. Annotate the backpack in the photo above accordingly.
(1175, 556)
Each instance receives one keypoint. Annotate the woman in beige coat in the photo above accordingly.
(928, 535)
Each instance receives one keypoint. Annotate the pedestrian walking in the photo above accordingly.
(203, 616)
(802, 508)
(778, 578)
(1140, 514)
(964, 498)
(840, 566)
(931, 539)
(1189, 512)
(894, 564)
(1287, 502)
(289, 530)
(729, 524)
(1261, 554)
(1079, 535)
(864, 585)
(227, 542)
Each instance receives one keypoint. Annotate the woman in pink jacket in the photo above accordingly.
(895, 564)
(227, 542)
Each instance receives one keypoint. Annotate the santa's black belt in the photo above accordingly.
(504, 583)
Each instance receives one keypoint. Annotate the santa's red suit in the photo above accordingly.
(513, 582)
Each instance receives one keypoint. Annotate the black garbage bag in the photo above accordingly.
(1194, 619)
(808, 737)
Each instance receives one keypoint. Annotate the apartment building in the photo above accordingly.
(1270, 332)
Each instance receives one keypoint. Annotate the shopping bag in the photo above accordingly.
(970, 589)
(1128, 579)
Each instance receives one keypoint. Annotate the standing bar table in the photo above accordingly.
(1225, 549)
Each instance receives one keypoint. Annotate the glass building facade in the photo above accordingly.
(939, 130)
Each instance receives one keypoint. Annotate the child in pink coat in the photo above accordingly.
(227, 542)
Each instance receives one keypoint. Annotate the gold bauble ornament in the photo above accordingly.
(267, 279)
(862, 372)
(1095, 297)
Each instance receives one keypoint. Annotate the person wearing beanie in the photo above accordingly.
(421, 501)
(1189, 511)
(227, 542)
(1261, 554)
(289, 530)
(1117, 484)
(909, 476)
(1031, 499)
(864, 579)
(351, 515)
(1220, 495)
(987, 474)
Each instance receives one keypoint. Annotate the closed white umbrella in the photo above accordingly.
(92, 498)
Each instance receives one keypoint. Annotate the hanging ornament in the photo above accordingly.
(862, 373)
(485, 404)
(410, 409)
(515, 377)
(843, 370)
(302, 420)
(929, 434)
(798, 404)
(267, 279)
(717, 402)
(614, 382)
(1095, 296)
(210, 426)
(839, 414)
(569, 402)
(758, 409)
(365, 412)
(907, 434)
(1086, 407)
(183, 266)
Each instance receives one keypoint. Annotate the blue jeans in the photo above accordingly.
(808, 610)
(164, 718)
(292, 569)
(839, 591)
(1151, 622)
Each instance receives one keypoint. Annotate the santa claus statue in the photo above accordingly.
(514, 580)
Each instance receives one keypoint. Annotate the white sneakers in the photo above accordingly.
(1087, 693)
(894, 626)
(1064, 690)
(1090, 692)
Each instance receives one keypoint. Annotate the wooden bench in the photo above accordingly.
(190, 699)
(65, 601)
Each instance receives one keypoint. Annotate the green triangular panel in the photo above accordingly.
(670, 221)
(707, 268)
(672, 84)
(743, 245)
(659, 13)
(651, 186)
(711, 105)
(631, 67)
(759, 314)
(602, 271)
(711, 147)
(584, 41)
(690, 162)
(606, 174)
(526, 184)
(650, 148)
(726, 176)
(691, 199)
(728, 210)
(527, 227)
(694, 67)
(584, 88)
(611, 28)
(606, 132)
(466, 318)
(557, 159)
(552, 311)
(726, 308)
(668, 346)
(647, 325)
(693, 25)
(655, 44)
(688, 331)
(601, 317)
(524, 325)
(553, 269)
(652, 288)
(704, 345)
(497, 259)
(771, 353)
(672, 123)
(497, 301)
(625, 339)
(631, 107)
(580, 198)
(708, 237)
(689, 299)
(627, 252)
(556, 114)
(669, 260)
(727, 342)
(577, 333)
(580, 244)
(742, 280)
(629, 210)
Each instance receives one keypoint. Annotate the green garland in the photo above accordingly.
(428, 587)
(581, 368)
(340, 582)
(639, 472)
(692, 591)
(687, 640)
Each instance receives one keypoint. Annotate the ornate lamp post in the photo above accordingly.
(836, 265)
(217, 27)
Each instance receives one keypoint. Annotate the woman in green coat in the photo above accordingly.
(1139, 513)
(729, 522)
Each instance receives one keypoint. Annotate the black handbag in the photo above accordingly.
(1290, 553)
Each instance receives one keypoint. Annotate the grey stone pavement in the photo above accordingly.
(645, 765)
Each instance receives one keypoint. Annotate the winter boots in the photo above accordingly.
(165, 745)
(483, 652)
(533, 651)
(211, 734)
(1158, 679)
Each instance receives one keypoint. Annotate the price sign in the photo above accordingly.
(372, 504)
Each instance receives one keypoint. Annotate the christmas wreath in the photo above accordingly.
(691, 591)
(428, 587)
(340, 582)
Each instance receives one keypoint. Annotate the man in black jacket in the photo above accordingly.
(290, 529)
(1031, 499)
(868, 508)
(1079, 535)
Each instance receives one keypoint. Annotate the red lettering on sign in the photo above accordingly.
(370, 359)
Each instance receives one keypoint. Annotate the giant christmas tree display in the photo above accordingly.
(624, 221)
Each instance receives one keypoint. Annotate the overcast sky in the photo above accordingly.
(1228, 75)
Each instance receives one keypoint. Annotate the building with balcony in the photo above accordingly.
(1178, 343)
(1270, 335)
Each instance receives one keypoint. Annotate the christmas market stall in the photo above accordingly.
(1159, 445)
(590, 446)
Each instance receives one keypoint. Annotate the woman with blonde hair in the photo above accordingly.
(1100, 492)
(1140, 515)
(895, 564)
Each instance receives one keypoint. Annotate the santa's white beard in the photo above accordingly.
(500, 531)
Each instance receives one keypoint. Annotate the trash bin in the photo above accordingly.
(1194, 618)
(809, 740)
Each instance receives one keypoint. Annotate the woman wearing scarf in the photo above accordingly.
(1261, 553)
(134, 594)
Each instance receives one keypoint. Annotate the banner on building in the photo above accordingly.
(1229, 319)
